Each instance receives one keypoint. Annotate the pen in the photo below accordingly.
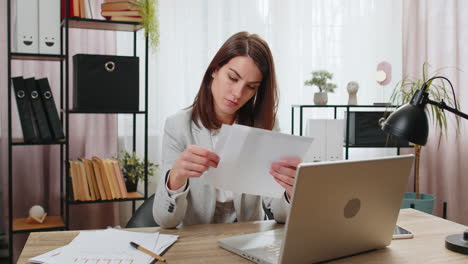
(151, 253)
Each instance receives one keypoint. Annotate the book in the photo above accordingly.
(76, 7)
(24, 110)
(119, 6)
(97, 177)
(120, 13)
(92, 177)
(106, 177)
(39, 116)
(103, 186)
(120, 178)
(82, 9)
(127, 19)
(88, 179)
(50, 109)
(74, 180)
(84, 182)
(112, 178)
(88, 9)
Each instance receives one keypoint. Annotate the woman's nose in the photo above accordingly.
(237, 90)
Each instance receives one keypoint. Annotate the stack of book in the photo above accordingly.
(97, 179)
(78, 8)
(119, 10)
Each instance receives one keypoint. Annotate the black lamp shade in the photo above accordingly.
(409, 122)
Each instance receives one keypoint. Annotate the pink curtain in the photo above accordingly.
(36, 177)
(435, 32)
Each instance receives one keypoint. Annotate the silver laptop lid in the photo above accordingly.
(342, 208)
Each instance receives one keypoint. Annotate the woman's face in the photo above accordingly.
(233, 85)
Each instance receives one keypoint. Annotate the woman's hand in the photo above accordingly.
(191, 163)
(284, 172)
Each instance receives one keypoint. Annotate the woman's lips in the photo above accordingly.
(231, 103)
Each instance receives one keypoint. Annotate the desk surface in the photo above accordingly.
(197, 244)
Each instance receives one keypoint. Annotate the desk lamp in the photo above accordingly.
(410, 122)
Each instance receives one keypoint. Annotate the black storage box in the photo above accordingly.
(104, 83)
(364, 130)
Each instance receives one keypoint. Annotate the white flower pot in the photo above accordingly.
(320, 98)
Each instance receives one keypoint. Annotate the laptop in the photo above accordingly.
(338, 208)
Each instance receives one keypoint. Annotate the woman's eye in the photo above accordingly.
(232, 78)
(252, 87)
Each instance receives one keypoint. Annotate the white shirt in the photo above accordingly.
(225, 211)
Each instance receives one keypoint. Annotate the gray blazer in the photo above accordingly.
(196, 205)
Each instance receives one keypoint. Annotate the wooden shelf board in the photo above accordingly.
(40, 57)
(51, 222)
(132, 196)
(100, 24)
(73, 111)
(20, 142)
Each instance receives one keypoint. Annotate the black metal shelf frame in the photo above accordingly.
(64, 144)
(347, 146)
(94, 24)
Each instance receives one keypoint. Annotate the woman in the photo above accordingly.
(239, 86)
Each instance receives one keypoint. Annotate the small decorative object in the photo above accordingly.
(36, 215)
(134, 169)
(352, 88)
(383, 76)
(320, 79)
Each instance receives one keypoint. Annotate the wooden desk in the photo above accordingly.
(197, 244)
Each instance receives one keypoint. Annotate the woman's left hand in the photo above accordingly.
(284, 172)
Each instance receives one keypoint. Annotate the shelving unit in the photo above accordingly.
(19, 225)
(62, 221)
(95, 24)
(347, 109)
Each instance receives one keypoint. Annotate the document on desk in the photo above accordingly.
(246, 155)
(110, 246)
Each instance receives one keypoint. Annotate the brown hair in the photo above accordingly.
(260, 110)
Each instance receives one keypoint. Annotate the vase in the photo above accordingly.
(425, 203)
(320, 98)
(352, 88)
(131, 186)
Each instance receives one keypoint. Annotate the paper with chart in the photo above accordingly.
(246, 155)
(110, 246)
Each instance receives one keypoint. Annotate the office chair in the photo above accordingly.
(143, 217)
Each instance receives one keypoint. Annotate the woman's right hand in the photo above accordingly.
(191, 163)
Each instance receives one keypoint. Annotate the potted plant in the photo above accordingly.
(401, 95)
(134, 169)
(320, 79)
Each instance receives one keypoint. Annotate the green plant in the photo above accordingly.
(134, 168)
(320, 79)
(438, 91)
(148, 12)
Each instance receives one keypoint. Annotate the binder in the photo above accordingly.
(50, 109)
(328, 139)
(39, 116)
(26, 30)
(316, 129)
(24, 110)
(335, 138)
(49, 27)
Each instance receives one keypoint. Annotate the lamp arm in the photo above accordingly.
(442, 105)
